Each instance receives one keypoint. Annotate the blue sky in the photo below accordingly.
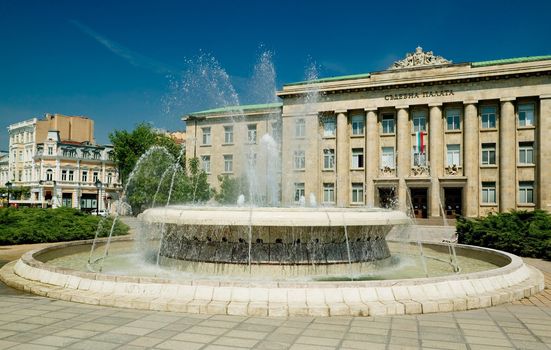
(114, 61)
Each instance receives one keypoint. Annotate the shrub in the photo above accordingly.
(37, 225)
(524, 233)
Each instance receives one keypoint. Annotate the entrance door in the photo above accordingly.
(387, 198)
(452, 202)
(419, 202)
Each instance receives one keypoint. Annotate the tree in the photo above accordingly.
(230, 189)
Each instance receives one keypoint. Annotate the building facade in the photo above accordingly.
(58, 159)
(426, 134)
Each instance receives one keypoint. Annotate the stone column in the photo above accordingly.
(471, 163)
(343, 159)
(507, 156)
(404, 156)
(371, 155)
(543, 122)
(436, 157)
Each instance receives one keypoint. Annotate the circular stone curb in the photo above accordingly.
(356, 298)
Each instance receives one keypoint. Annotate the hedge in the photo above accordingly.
(524, 233)
(37, 225)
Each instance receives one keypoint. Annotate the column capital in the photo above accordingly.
(402, 107)
(341, 111)
(435, 105)
(370, 109)
(545, 97)
(507, 99)
(470, 102)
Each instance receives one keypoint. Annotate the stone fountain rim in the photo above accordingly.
(29, 259)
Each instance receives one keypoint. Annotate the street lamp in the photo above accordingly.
(8, 186)
(98, 185)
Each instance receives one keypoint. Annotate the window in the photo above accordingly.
(63, 175)
(205, 162)
(251, 133)
(228, 134)
(357, 125)
(452, 117)
(329, 127)
(388, 123)
(526, 114)
(206, 136)
(20, 155)
(71, 175)
(419, 122)
(20, 175)
(488, 116)
(526, 192)
(95, 177)
(66, 201)
(228, 163)
(299, 160)
(109, 178)
(419, 158)
(357, 158)
(387, 157)
(488, 192)
(357, 193)
(328, 159)
(488, 153)
(526, 153)
(328, 193)
(84, 176)
(300, 127)
(299, 191)
(49, 175)
(453, 155)
(50, 150)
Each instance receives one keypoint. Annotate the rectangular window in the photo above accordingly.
(387, 157)
(205, 162)
(299, 191)
(228, 134)
(419, 122)
(206, 136)
(328, 159)
(84, 176)
(71, 175)
(109, 178)
(488, 153)
(328, 193)
(488, 116)
(526, 192)
(357, 125)
(63, 175)
(300, 127)
(251, 133)
(228, 163)
(526, 153)
(299, 160)
(95, 176)
(453, 118)
(329, 127)
(419, 159)
(526, 114)
(388, 123)
(488, 192)
(357, 193)
(357, 158)
(50, 150)
(453, 155)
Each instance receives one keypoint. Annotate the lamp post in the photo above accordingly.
(8, 186)
(98, 185)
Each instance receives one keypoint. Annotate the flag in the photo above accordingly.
(420, 142)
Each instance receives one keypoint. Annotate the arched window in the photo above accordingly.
(109, 178)
(49, 175)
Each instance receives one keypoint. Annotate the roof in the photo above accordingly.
(242, 108)
(473, 64)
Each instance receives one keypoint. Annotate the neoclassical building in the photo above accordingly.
(439, 137)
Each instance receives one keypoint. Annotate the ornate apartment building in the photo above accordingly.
(58, 159)
(427, 134)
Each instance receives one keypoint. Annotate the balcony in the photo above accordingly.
(387, 171)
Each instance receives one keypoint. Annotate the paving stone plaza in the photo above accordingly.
(33, 322)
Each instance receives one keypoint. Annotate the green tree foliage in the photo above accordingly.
(37, 225)
(17, 192)
(129, 146)
(525, 233)
(230, 189)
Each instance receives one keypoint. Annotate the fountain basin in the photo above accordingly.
(510, 280)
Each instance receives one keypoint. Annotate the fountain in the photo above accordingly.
(269, 261)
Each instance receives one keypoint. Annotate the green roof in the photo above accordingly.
(323, 80)
(242, 108)
(511, 60)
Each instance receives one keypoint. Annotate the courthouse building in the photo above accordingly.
(58, 159)
(428, 134)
